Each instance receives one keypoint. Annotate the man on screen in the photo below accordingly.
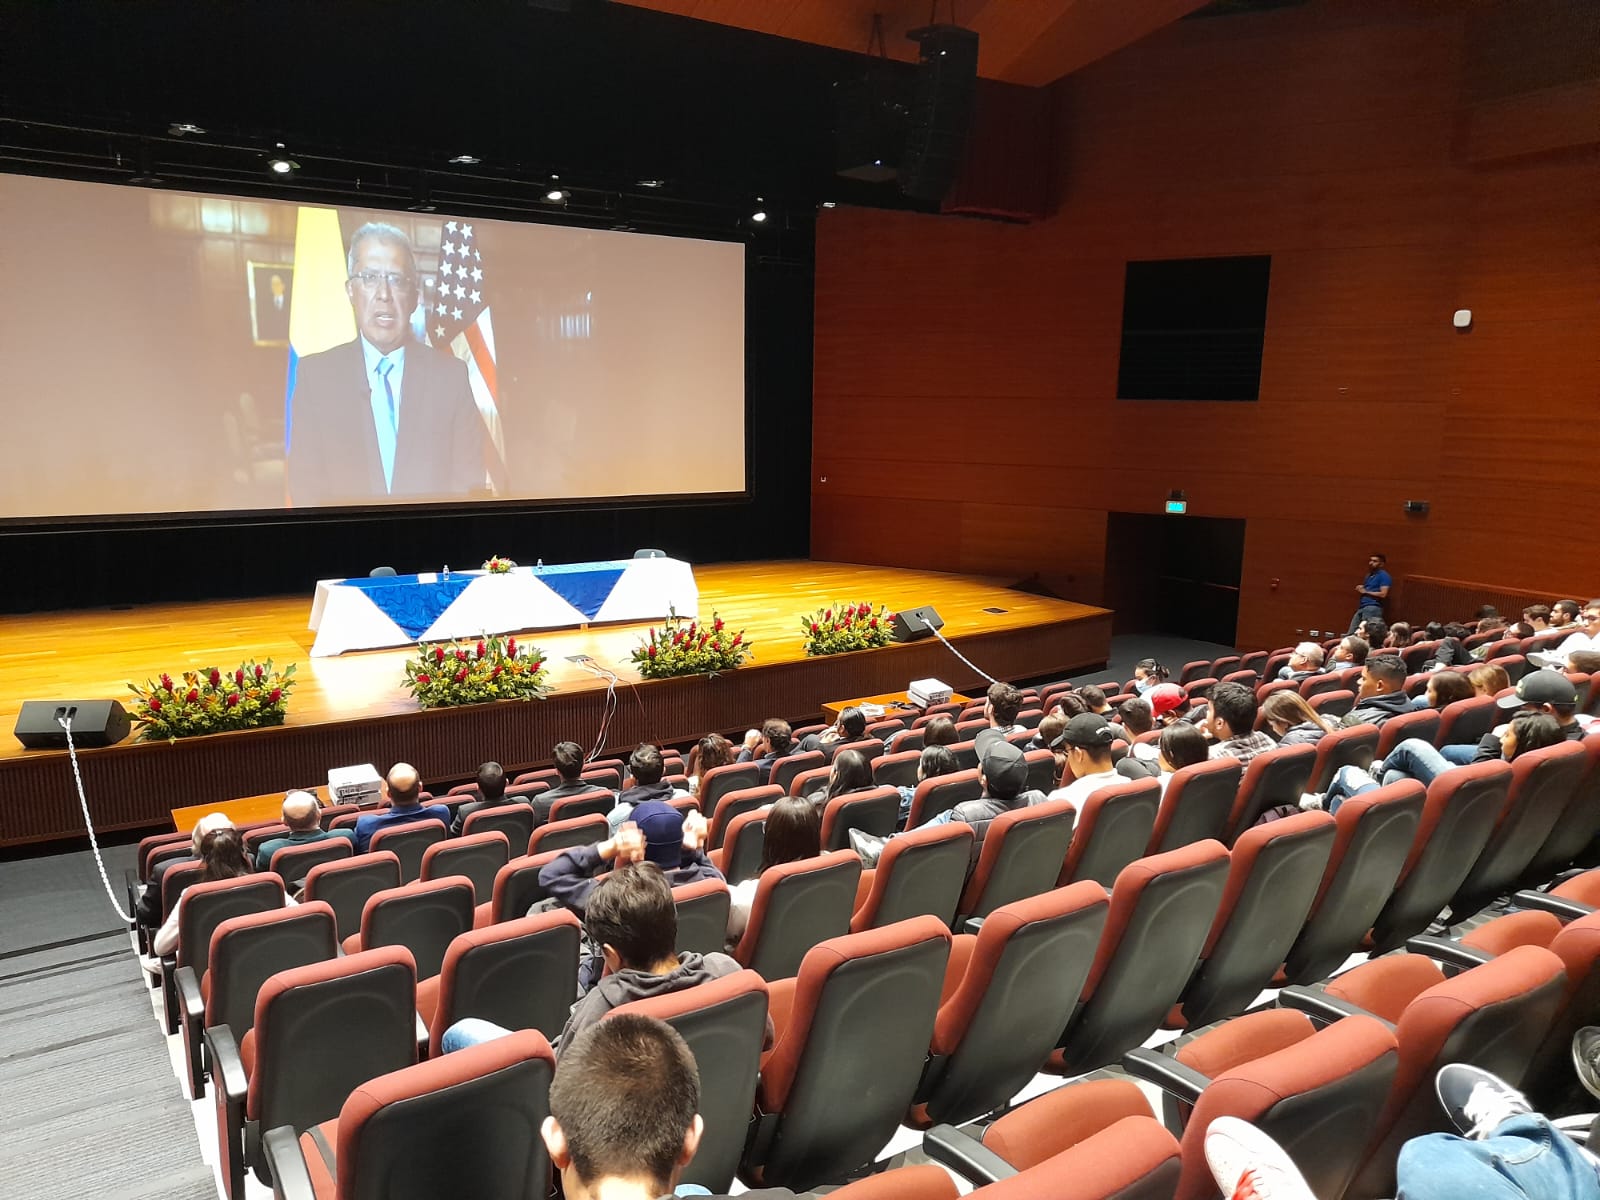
(383, 415)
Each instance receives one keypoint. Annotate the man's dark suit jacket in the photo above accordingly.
(333, 449)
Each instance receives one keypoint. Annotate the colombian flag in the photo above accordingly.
(320, 316)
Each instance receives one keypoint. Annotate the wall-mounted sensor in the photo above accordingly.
(1463, 318)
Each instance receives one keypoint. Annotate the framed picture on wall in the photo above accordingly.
(271, 289)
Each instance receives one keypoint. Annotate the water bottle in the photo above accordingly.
(447, 570)
(539, 566)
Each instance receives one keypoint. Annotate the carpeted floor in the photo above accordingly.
(88, 1101)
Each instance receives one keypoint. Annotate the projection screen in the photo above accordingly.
(169, 353)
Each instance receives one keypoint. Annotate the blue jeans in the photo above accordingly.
(1347, 782)
(469, 1031)
(1524, 1159)
(1417, 759)
(1367, 612)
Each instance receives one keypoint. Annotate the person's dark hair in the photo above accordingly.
(625, 1094)
(852, 771)
(1183, 745)
(222, 855)
(1399, 636)
(853, 724)
(1093, 697)
(1006, 702)
(1536, 612)
(1571, 607)
(1490, 625)
(778, 734)
(1235, 704)
(793, 832)
(1152, 670)
(1455, 629)
(1434, 631)
(1450, 686)
(631, 909)
(941, 731)
(1373, 631)
(1137, 715)
(710, 752)
(1387, 668)
(1359, 649)
(1382, 558)
(1587, 661)
(1289, 708)
(644, 764)
(1488, 612)
(569, 760)
(1535, 731)
(491, 780)
(936, 761)
(1520, 629)
(1071, 704)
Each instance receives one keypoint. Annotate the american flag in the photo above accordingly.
(459, 320)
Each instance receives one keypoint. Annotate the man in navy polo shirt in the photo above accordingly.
(404, 787)
(1371, 592)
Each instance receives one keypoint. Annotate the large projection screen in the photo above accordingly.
(168, 353)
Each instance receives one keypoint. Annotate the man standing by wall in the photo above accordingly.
(1371, 592)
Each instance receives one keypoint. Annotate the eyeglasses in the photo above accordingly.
(371, 280)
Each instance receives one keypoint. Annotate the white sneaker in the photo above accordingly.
(1310, 802)
(1249, 1165)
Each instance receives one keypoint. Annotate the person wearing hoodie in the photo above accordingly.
(1381, 693)
(646, 768)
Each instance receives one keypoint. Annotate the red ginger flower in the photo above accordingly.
(194, 695)
(438, 654)
(461, 675)
(155, 703)
(233, 698)
(737, 638)
(422, 678)
(480, 649)
(718, 624)
(652, 651)
(260, 670)
(166, 681)
(238, 677)
(216, 677)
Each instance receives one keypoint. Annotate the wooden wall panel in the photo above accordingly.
(1330, 136)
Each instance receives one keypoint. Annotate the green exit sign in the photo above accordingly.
(1177, 507)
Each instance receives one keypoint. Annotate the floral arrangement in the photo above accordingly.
(493, 668)
(496, 565)
(846, 627)
(254, 695)
(682, 647)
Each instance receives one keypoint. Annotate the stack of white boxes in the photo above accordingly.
(925, 692)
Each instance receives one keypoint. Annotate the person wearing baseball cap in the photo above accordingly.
(1166, 702)
(1003, 772)
(1087, 740)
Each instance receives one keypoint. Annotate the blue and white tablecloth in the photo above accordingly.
(364, 614)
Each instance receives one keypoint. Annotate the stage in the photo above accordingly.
(353, 709)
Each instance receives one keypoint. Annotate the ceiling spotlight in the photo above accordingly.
(652, 183)
(280, 163)
(466, 160)
(830, 204)
(180, 128)
(555, 195)
(758, 216)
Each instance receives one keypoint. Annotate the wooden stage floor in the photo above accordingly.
(340, 704)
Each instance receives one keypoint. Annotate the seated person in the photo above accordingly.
(709, 753)
(1304, 662)
(222, 853)
(303, 815)
(1292, 721)
(1399, 636)
(1232, 724)
(1381, 693)
(1488, 680)
(1148, 673)
(492, 787)
(1167, 702)
(1350, 652)
(852, 772)
(1585, 637)
(934, 762)
(1445, 688)
(850, 727)
(1048, 737)
(1181, 745)
(1087, 740)
(793, 832)
(1003, 774)
(774, 740)
(569, 760)
(1548, 692)
(939, 731)
(646, 767)
(657, 833)
(1374, 631)
(632, 919)
(1067, 705)
(149, 905)
(1001, 705)
(1451, 650)
(1136, 716)
(1094, 700)
(404, 788)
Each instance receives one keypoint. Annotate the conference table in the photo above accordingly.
(400, 610)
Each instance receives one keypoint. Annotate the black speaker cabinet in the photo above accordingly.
(94, 723)
(940, 110)
(910, 624)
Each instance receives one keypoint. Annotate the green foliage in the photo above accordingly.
(492, 668)
(845, 627)
(252, 696)
(682, 647)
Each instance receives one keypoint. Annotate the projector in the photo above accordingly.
(923, 692)
(355, 785)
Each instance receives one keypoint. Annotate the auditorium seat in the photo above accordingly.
(1191, 671)
(969, 728)
(513, 820)
(898, 769)
(1316, 1092)
(548, 776)
(1492, 1016)
(1542, 786)
(516, 889)
(409, 843)
(1114, 827)
(1465, 722)
(883, 730)
(1334, 705)
(921, 872)
(201, 908)
(430, 1130)
(564, 835)
(292, 863)
(1029, 716)
(1577, 824)
(1221, 667)
(1272, 686)
(1008, 990)
(724, 1023)
(597, 802)
(924, 1181)
(813, 779)
(319, 1033)
(1096, 1140)
(1041, 764)
(160, 847)
(739, 856)
(1247, 679)
(478, 856)
(1273, 876)
(1200, 688)
(731, 804)
(1416, 685)
(1197, 804)
(1461, 809)
(1255, 661)
(1374, 833)
(853, 1030)
(798, 732)
(875, 811)
(786, 768)
(730, 778)
(348, 885)
(1278, 660)
(1424, 724)
(966, 754)
(870, 748)
(1269, 780)
(1162, 908)
(1352, 747)
(942, 793)
(1022, 854)
(424, 917)
(601, 778)
(1418, 655)
(702, 909)
(796, 906)
(519, 974)
(259, 836)
(911, 739)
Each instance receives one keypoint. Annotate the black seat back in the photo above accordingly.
(349, 884)
(1196, 805)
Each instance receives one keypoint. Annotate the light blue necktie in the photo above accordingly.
(387, 437)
